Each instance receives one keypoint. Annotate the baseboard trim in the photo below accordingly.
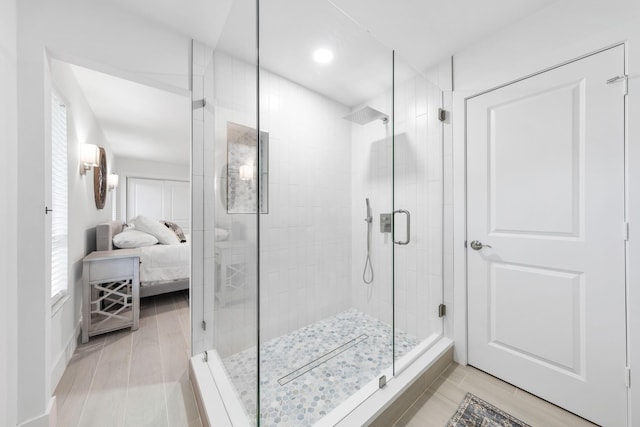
(48, 419)
(64, 357)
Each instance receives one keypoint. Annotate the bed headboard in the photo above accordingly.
(105, 233)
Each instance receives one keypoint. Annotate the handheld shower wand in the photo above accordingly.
(368, 278)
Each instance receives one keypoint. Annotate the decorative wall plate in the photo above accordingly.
(100, 179)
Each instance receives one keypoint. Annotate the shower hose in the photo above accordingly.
(368, 278)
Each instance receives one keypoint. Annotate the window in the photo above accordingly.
(59, 200)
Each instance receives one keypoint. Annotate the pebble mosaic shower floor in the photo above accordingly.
(309, 372)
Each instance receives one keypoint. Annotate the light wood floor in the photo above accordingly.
(137, 378)
(441, 400)
(140, 378)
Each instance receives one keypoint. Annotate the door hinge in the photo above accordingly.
(442, 114)
(382, 381)
(442, 310)
(625, 82)
(205, 357)
(627, 377)
(204, 325)
(625, 231)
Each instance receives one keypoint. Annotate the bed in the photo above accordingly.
(163, 268)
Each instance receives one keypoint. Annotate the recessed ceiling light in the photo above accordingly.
(323, 55)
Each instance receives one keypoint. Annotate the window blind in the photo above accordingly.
(59, 200)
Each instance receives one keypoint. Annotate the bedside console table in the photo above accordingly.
(110, 292)
(231, 262)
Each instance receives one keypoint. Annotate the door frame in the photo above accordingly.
(460, 214)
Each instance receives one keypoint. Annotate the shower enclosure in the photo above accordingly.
(311, 171)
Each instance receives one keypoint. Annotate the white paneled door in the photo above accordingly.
(546, 247)
(161, 199)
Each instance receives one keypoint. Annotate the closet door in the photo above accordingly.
(546, 249)
(145, 197)
(161, 199)
(177, 203)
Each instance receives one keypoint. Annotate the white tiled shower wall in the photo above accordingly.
(305, 238)
(235, 322)
(313, 241)
(417, 162)
(306, 234)
(372, 178)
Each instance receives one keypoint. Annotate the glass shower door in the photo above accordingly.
(418, 207)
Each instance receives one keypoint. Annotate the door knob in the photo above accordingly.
(477, 245)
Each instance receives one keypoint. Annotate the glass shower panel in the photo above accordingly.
(418, 203)
(325, 328)
(321, 177)
(230, 211)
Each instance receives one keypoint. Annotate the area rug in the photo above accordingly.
(475, 412)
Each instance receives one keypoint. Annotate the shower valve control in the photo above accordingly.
(385, 222)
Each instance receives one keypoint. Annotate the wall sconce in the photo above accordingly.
(246, 172)
(88, 157)
(112, 181)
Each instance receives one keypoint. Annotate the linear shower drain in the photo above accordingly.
(322, 359)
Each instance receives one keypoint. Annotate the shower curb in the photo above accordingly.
(403, 402)
(380, 409)
(373, 411)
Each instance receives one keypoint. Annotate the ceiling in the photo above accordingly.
(362, 35)
(422, 31)
(425, 32)
(140, 121)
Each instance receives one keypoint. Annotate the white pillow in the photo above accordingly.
(130, 239)
(165, 235)
(221, 234)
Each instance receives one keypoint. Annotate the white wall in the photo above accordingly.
(8, 213)
(82, 127)
(563, 31)
(139, 168)
(100, 36)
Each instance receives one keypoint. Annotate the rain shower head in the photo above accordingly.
(366, 115)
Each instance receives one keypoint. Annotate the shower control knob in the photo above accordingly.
(477, 245)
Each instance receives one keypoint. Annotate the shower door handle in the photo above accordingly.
(406, 212)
